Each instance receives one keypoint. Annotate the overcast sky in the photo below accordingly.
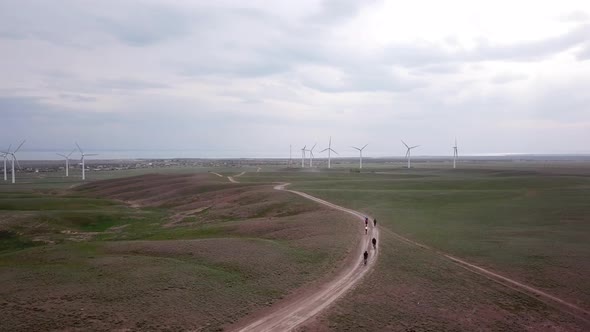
(249, 78)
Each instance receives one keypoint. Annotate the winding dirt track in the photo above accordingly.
(294, 314)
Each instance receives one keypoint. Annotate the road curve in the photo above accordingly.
(293, 314)
(232, 178)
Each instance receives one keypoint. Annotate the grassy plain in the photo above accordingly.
(527, 224)
(157, 252)
(530, 223)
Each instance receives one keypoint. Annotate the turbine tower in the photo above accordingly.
(303, 156)
(67, 157)
(455, 154)
(13, 156)
(361, 154)
(329, 149)
(290, 155)
(409, 153)
(83, 164)
(311, 156)
(5, 155)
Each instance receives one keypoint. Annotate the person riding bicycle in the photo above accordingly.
(374, 243)
(365, 256)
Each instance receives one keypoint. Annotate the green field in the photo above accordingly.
(529, 224)
(159, 264)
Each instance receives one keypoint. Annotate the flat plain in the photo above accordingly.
(527, 223)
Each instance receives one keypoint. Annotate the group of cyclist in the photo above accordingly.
(373, 241)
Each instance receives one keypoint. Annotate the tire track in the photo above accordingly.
(503, 280)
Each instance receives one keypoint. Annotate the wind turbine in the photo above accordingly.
(329, 149)
(455, 154)
(12, 154)
(67, 157)
(409, 153)
(361, 153)
(303, 156)
(5, 155)
(83, 165)
(311, 156)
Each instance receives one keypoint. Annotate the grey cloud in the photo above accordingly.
(533, 49)
(507, 78)
(369, 79)
(444, 68)
(420, 55)
(145, 25)
(584, 53)
(77, 97)
(60, 23)
(73, 23)
(334, 10)
(129, 84)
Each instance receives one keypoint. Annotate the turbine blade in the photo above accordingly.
(405, 144)
(17, 163)
(314, 146)
(71, 153)
(365, 146)
(59, 154)
(324, 150)
(8, 151)
(21, 144)
(79, 148)
(354, 147)
(415, 146)
(334, 151)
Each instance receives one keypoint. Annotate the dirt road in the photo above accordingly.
(291, 315)
(290, 321)
(232, 178)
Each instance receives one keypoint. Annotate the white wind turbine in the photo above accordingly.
(83, 164)
(455, 154)
(361, 154)
(5, 155)
(409, 153)
(12, 154)
(311, 156)
(67, 157)
(303, 156)
(329, 149)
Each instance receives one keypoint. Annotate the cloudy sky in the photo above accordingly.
(249, 78)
